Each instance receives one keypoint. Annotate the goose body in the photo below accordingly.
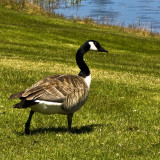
(59, 94)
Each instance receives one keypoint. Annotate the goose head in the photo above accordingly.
(95, 46)
(91, 45)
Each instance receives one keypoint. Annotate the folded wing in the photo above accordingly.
(70, 90)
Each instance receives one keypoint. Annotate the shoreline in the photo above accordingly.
(33, 8)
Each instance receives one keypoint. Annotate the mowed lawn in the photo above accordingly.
(121, 118)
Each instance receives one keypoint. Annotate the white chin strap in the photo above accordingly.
(92, 46)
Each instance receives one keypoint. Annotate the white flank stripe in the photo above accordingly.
(46, 107)
(48, 103)
(92, 46)
(88, 81)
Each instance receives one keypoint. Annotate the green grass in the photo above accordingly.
(120, 120)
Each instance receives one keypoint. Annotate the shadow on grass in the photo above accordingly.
(74, 130)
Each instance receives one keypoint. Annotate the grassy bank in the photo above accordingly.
(121, 118)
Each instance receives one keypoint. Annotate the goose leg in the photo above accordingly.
(69, 118)
(27, 124)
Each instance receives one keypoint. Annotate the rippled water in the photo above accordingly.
(133, 13)
(145, 13)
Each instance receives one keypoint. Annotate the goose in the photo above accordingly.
(59, 94)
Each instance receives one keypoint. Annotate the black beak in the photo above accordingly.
(102, 50)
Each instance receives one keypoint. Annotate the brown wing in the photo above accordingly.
(67, 89)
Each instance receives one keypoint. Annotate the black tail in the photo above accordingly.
(24, 104)
(18, 105)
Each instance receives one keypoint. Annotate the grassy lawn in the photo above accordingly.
(120, 120)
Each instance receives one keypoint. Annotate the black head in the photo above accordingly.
(91, 45)
(95, 46)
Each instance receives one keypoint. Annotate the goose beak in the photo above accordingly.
(102, 50)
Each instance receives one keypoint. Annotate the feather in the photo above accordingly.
(17, 95)
(66, 89)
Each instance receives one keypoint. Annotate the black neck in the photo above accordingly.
(80, 62)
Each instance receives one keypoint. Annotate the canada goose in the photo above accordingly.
(59, 94)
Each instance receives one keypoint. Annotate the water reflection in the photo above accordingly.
(145, 13)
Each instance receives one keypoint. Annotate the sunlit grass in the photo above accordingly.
(121, 118)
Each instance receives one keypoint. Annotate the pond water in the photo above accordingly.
(133, 13)
(144, 13)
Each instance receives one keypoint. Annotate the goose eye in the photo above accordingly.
(97, 45)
